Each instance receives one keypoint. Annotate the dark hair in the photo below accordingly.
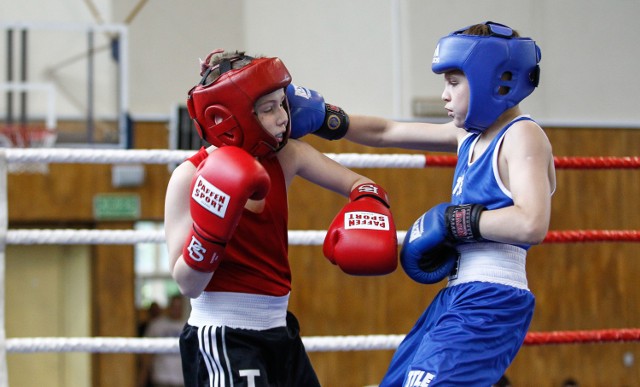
(483, 30)
(237, 59)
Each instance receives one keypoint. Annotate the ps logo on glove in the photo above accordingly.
(374, 190)
(196, 250)
(367, 188)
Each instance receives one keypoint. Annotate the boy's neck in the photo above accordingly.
(502, 121)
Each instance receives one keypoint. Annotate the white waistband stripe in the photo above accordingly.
(239, 310)
(491, 262)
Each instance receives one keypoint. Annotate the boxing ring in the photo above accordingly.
(296, 237)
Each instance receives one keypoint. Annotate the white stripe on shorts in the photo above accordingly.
(210, 350)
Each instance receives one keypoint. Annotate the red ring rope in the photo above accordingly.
(592, 236)
(573, 337)
(560, 162)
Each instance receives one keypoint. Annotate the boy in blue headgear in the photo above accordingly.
(500, 206)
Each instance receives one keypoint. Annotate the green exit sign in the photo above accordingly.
(116, 206)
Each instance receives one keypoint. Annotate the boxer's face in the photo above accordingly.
(272, 113)
(456, 96)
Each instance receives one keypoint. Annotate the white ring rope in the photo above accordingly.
(127, 237)
(170, 345)
(76, 236)
(95, 156)
(162, 156)
(162, 345)
(83, 237)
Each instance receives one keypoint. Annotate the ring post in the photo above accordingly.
(4, 226)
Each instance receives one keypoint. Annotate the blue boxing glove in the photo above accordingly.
(428, 252)
(310, 114)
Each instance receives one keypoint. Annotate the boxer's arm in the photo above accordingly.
(526, 166)
(427, 254)
(177, 225)
(229, 176)
(381, 132)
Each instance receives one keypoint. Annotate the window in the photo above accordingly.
(153, 279)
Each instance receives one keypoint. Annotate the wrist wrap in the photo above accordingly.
(463, 222)
(372, 190)
(335, 125)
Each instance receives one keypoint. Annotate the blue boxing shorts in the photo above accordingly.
(467, 336)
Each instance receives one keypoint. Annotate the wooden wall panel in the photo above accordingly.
(113, 309)
(65, 194)
(577, 286)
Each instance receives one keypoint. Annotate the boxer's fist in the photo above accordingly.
(362, 239)
(427, 256)
(310, 114)
(428, 253)
(220, 188)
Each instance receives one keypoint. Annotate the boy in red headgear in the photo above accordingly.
(226, 224)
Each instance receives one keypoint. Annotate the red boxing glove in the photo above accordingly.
(223, 183)
(362, 238)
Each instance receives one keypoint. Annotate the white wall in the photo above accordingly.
(349, 50)
(589, 52)
(167, 38)
(341, 48)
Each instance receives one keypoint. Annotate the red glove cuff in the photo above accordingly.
(370, 190)
(202, 254)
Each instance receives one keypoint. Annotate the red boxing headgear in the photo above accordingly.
(231, 98)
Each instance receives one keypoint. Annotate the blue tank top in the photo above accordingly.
(479, 181)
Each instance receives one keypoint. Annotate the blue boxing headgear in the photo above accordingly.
(501, 70)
